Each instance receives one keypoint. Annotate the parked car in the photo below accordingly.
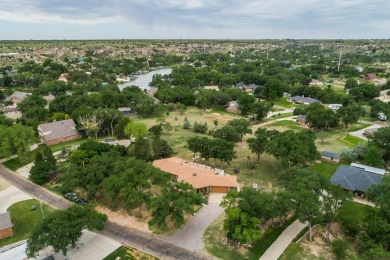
(71, 196)
(382, 117)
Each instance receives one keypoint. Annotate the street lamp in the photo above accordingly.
(40, 203)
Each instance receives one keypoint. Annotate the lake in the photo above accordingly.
(143, 80)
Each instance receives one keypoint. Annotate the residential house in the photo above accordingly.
(126, 111)
(315, 82)
(330, 157)
(357, 177)
(216, 88)
(6, 225)
(247, 88)
(335, 106)
(303, 100)
(63, 77)
(232, 107)
(202, 178)
(301, 119)
(58, 132)
(369, 76)
(11, 112)
(17, 97)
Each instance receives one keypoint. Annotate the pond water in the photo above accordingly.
(143, 80)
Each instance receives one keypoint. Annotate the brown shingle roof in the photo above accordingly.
(185, 172)
(58, 129)
(5, 221)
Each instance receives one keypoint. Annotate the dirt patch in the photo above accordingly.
(123, 219)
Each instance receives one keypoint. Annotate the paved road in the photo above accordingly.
(10, 196)
(130, 237)
(280, 244)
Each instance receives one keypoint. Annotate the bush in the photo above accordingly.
(339, 249)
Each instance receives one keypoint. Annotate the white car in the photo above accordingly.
(382, 117)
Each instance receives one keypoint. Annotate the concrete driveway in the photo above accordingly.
(90, 246)
(190, 236)
(10, 196)
(360, 132)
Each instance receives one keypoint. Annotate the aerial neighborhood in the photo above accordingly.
(180, 149)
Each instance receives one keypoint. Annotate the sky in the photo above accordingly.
(194, 19)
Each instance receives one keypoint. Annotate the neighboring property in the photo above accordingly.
(58, 132)
(17, 97)
(203, 178)
(369, 132)
(11, 112)
(330, 157)
(357, 177)
(126, 111)
(49, 98)
(315, 82)
(63, 77)
(369, 76)
(216, 88)
(301, 119)
(232, 107)
(335, 106)
(303, 100)
(6, 225)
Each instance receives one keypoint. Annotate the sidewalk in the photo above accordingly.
(280, 244)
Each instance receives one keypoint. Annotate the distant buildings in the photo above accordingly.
(232, 107)
(126, 111)
(17, 97)
(369, 76)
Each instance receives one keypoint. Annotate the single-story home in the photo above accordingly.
(126, 111)
(203, 178)
(301, 119)
(17, 97)
(369, 76)
(232, 107)
(315, 82)
(303, 100)
(6, 225)
(11, 112)
(330, 157)
(357, 177)
(58, 132)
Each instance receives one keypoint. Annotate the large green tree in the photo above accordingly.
(245, 103)
(242, 127)
(63, 228)
(382, 140)
(16, 139)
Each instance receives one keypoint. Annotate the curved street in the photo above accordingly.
(128, 236)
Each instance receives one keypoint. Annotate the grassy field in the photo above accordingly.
(214, 234)
(326, 169)
(284, 125)
(24, 220)
(284, 103)
(351, 140)
(125, 253)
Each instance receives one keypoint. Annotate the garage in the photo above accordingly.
(219, 189)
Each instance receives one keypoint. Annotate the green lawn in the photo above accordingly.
(326, 169)
(214, 234)
(60, 146)
(352, 211)
(285, 125)
(279, 116)
(125, 253)
(351, 140)
(24, 220)
(284, 103)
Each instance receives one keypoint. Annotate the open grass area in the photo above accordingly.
(24, 220)
(326, 169)
(125, 253)
(351, 140)
(214, 234)
(284, 103)
(279, 116)
(59, 147)
(295, 251)
(352, 211)
(284, 125)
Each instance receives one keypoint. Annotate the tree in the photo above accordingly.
(372, 156)
(137, 130)
(176, 199)
(349, 154)
(227, 133)
(120, 127)
(240, 227)
(351, 83)
(156, 130)
(186, 124)
(91, 124)
(261, 109)
(320, 117)
(245, 103)
(200, 128)
(16, 139)
(258, 143)
(293, 148)
(382, 140)
(349, 114)
(241, 126)
(63, 228)
(44, 167)
(380, 195)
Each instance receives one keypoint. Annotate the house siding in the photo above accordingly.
(6, 233)
(62, 140)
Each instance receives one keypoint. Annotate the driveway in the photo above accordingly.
(90, 246)
(360, 132)
(10, 196)
(190, 236)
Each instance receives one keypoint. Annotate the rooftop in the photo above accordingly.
(58, 129)
(5, 221)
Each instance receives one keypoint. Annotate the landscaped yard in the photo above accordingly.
(125, 253)
(284, 103)
(214, 234)
(60, 146)
(24, 219)
(326, 169)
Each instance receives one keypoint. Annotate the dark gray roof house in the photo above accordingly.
(355, 178)
(330, 156)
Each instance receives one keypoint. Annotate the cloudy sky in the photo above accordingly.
(194, 19)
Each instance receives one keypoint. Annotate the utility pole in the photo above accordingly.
(40, 202)
(338, 67)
